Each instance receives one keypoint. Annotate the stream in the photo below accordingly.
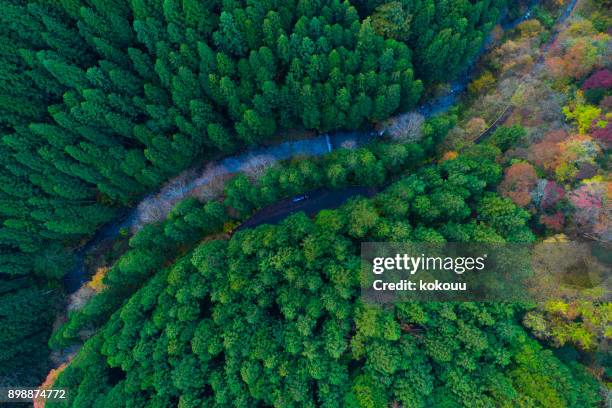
(205, 182)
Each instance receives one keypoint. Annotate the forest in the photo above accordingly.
(102, 102)
(272, 317)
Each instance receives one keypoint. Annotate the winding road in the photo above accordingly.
(311, 203)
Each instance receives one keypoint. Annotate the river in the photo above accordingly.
(196, 181)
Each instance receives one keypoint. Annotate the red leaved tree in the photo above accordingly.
(519, 180)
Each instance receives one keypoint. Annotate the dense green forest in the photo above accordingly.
(104, 101)
(273, 317)
(101, 101)
(158, 243)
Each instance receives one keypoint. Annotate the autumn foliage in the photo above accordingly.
(591, 203)
(450, 155)
(553, 222)
(48, 383)
(96, 282)
(599, 79)
(577, 51)
(519, 180)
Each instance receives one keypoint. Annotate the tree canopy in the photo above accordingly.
(101, 101)
(273, 317)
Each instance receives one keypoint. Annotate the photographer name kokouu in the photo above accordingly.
(424, 286)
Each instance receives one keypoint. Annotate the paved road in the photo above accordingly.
(316, 201)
